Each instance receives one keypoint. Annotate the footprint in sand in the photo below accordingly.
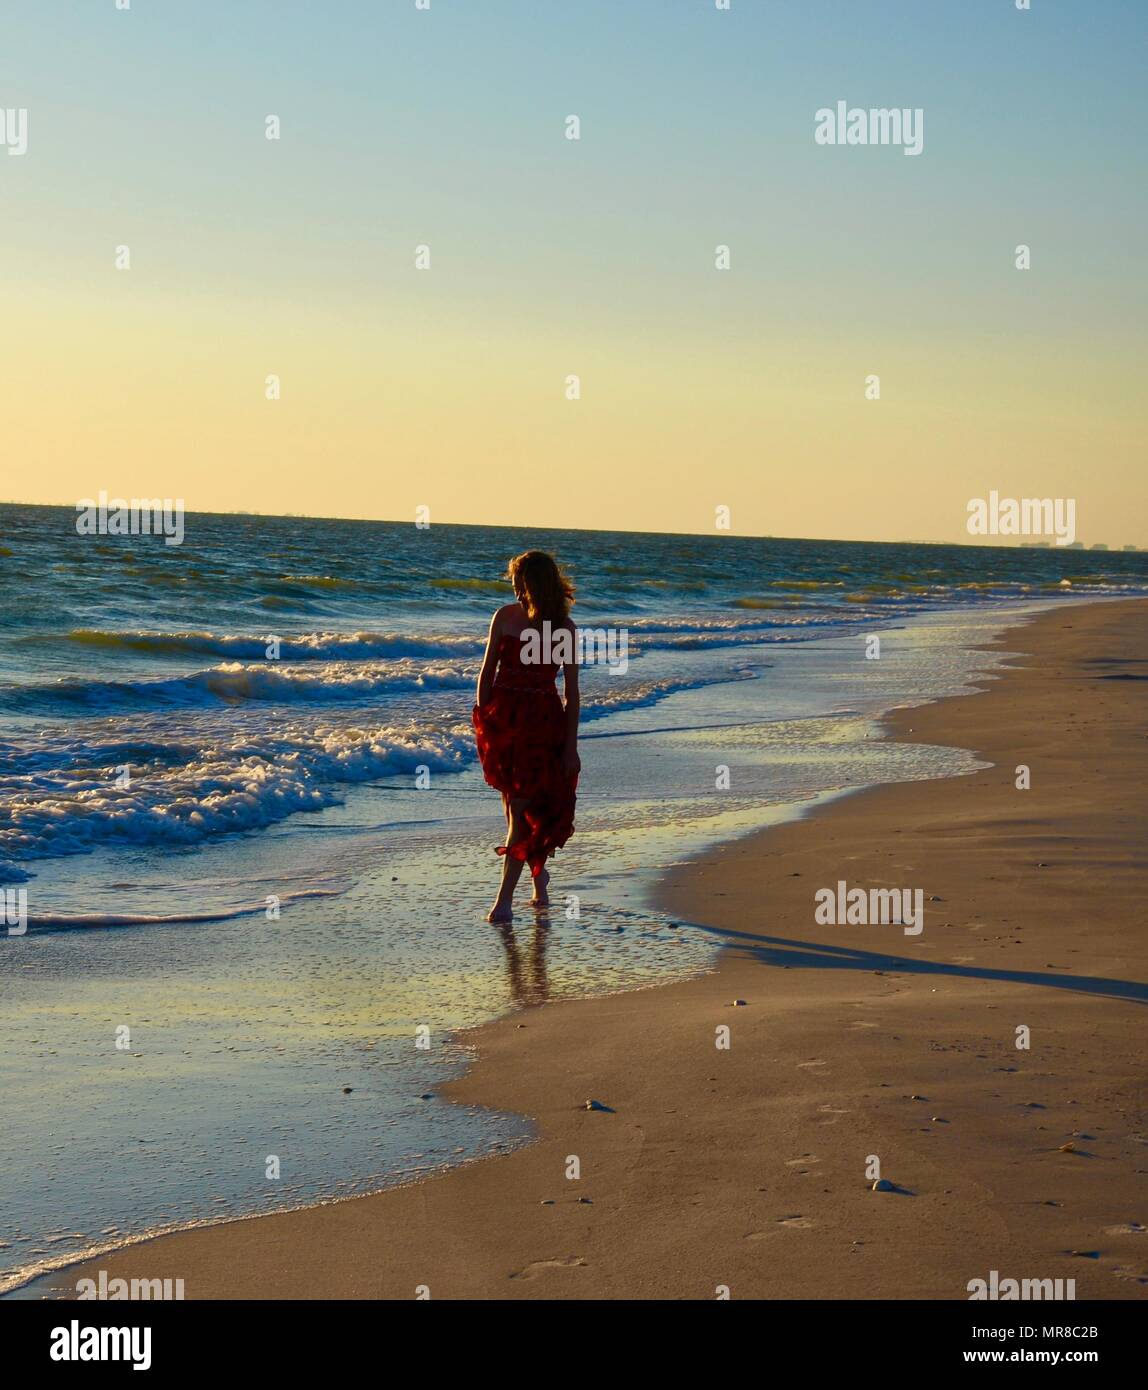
(863, 1023)
(800, 1222)
(1127, 1228)
(1137, 1276)
(817, 1062)
(831, 1114)
(537, 1267)
(804, 1163)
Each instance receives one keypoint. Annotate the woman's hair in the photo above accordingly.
(541, 587)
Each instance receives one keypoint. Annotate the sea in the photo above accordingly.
(246, 850)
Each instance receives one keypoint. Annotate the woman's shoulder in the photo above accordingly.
(507, 620)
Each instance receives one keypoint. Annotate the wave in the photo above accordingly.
(234, 683)
(800, 585)
(96, 760)
(789, 625)
(74, 921)
(319, 581)
(199, 777)
(597, 705)
(395, 646)
(716, 626)
(247, 783)
(478, 586)
(313, 646)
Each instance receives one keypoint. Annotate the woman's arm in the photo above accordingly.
(489, 661)
(570, 759)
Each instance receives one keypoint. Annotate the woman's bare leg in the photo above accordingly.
(541, 897)
(517, 830)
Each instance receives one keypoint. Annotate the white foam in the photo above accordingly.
(240, 784)
(234, 681)
(313, 646)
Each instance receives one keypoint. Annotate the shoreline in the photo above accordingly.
(710, 1166)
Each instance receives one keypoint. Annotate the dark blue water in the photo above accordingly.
(124, 652)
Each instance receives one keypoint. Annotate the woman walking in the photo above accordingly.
(527, 734)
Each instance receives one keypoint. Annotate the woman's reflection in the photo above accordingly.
(526, 968)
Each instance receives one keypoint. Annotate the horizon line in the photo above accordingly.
(1020, 544)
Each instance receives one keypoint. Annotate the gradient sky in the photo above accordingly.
(445, 388)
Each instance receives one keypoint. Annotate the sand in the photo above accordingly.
(746, 1168)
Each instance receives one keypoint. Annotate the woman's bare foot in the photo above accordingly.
(541, 898)
(500, 912)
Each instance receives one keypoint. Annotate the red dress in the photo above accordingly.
(521, 735)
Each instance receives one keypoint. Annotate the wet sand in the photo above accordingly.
(746, 1168)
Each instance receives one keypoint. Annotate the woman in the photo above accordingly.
(527, 737)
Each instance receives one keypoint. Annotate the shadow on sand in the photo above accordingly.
(807, 955)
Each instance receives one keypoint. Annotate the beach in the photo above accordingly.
(707, 1170)
(256, 865)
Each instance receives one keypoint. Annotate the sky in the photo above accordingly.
(447, 387)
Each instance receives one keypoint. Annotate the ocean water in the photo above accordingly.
(173, 1053)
